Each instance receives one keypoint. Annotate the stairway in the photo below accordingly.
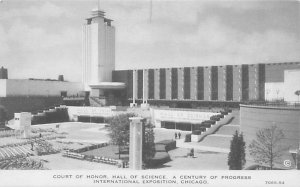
(10, 152)
(96, 102)
(217, 142)
(222, 137)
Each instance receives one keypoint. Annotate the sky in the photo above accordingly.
(43, 39)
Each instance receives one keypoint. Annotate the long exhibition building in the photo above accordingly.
(229, 83)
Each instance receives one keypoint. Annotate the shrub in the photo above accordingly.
(220, 115)
(215, 118)
(169, 144)
(206, 125)
(160, 148)
(211, 121)
(21, 164)
(188, 138)
(196, 132)
(44, 148)
(224, 112)
(158, 159)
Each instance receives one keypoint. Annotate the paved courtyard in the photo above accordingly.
(81, 134)
(204, 160)
(58, 162)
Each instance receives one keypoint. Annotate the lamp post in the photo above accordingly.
(294, 153)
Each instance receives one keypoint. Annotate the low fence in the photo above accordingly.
(8, 133)
(76, 153)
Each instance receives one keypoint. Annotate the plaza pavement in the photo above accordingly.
(58, 162)
(207, 157)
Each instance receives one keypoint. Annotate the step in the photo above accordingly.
(22, 152)
(25, 150)
(3, 151)
(227, 130)
(9, 152)
(12, 150)
(4, 164)
(220, 135)
(216, 141)
(2, 155)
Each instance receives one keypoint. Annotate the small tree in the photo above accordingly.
(297, 93)
(236, 156)
(266, 149)
(119, 130)
(148, 142)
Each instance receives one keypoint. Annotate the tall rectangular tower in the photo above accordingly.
(98, 50)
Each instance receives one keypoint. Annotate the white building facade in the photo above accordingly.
(98, 50)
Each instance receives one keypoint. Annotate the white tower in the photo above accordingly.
(98, 50)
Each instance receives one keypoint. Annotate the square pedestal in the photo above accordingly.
(145, 106)
(132, 105)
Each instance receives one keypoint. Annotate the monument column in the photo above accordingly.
(23, 121)
(144, 105)
(136, 143)
(133, 104)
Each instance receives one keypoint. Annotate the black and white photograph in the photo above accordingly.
(149, 92)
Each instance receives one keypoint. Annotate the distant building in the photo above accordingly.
(230, 83)
(3, 73)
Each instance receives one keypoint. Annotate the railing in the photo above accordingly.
(77, 153)
(295, 104)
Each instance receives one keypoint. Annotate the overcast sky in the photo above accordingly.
(42, 39)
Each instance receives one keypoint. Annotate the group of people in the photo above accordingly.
(177, 135)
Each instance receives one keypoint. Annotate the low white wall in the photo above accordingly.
(183, 116)
(75, 111)
(195, 138)
(274, 91)
(291, 85)
(20, 87)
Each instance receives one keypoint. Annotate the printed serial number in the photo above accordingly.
(274, 182)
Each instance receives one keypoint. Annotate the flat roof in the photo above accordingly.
(109, 85)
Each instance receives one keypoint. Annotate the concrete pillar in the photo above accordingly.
(145, 104)
(144, 99)
(23, 122)
(136, 143)
(134, 90)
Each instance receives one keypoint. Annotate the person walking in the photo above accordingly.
(192, 152)
(175, 135)
(179, 135)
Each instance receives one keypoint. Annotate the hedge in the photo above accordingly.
(160, 148)
(158, 159)
(215, 118)
(169, 144)
(197, 132)
(59, 115)
(188, 138)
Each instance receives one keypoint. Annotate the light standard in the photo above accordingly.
(267, 93)
(277, 92)
(294, 153)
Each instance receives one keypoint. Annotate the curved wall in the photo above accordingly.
(254, 118)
